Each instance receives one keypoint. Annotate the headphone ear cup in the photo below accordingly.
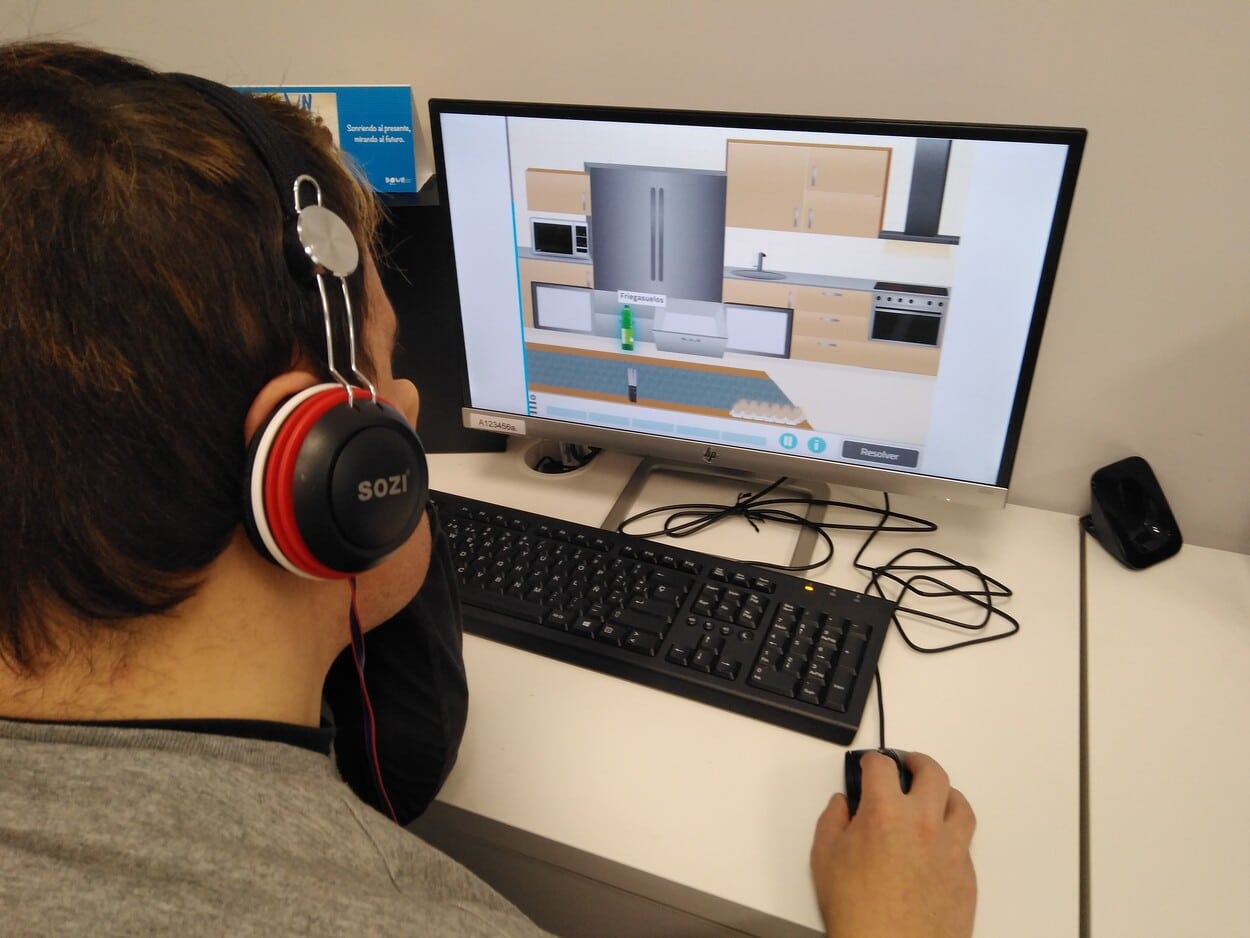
(333, 489)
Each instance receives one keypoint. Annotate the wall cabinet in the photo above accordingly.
(540, 271)
(818, 189)
(557, 190)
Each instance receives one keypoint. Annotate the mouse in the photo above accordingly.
(853, 776)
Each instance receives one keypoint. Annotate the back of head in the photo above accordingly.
(146, 300)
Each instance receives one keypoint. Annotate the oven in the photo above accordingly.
(908, 313)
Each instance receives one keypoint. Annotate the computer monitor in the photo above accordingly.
(838, 300)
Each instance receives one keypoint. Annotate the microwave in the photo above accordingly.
(565, 238)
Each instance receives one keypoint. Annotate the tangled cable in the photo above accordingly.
(902, 576)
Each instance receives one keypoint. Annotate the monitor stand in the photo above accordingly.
(804, 548)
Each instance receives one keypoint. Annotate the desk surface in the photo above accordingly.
(725, 805)
(1168, 658)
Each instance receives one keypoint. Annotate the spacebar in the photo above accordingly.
(500, 602)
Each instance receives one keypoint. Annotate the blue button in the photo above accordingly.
(789, 441)
(817, 444)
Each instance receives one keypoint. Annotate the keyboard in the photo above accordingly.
(767, 645)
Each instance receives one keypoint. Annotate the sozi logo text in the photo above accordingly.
(383, 487)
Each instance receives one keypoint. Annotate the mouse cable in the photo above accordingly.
(876, 678)
(923, 582)
(684, 520)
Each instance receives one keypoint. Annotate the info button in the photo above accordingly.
(885, 455)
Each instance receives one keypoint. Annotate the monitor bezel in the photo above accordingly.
(772, 464)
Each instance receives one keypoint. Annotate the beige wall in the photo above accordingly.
(1147, 349)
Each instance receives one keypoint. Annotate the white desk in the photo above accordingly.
(1168, 657)
(700, 809)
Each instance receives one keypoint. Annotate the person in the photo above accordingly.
(185, 736)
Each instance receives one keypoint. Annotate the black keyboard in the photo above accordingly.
(767, 645)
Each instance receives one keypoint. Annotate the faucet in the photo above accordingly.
(759, 260)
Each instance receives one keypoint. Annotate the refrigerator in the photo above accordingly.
(658, 229)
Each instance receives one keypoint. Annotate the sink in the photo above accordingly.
(753, 274)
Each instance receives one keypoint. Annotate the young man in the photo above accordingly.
(185, 740)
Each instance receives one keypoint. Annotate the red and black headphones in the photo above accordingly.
(336, 477)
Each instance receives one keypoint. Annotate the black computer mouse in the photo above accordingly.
(853, 777)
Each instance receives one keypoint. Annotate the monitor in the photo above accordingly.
(838, 300)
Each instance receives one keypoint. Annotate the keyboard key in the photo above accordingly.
(633, 619)
(713, 643)
(779, 682)
(727, 668)
(812, 690)
(679, 654)
(837, 697)
(656, 609)
(557, 619)
(703, 660)
(508, 605)
(586, 626)
(612, 634)
(667, 593)
(748, 617)
(645, 643)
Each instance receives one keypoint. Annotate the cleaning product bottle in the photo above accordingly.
(627, 329)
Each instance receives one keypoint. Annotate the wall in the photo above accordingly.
(1148, 340)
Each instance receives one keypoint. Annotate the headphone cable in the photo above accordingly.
(370, 723)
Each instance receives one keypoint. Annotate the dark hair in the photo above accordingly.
(146, 300)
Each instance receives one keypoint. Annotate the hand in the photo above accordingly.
(901, 867)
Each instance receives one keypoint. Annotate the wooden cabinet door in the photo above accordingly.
(845, 190)
(832, 300)
(842, 213)
(557, 190)
(884, 356)
(848, 169)
(764, 185)
(826, 325)
(758, 293)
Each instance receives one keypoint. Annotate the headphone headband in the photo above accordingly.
(335, 483)
(317, 240)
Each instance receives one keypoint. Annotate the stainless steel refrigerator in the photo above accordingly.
(658, 229)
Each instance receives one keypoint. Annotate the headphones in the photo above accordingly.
(336, 477)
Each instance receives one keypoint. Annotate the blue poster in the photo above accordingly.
(372, 123)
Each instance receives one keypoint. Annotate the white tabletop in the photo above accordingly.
(725, 805)
(1168, 656)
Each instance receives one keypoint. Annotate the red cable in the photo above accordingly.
(371, 734)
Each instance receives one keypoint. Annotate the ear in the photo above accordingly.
(271, 396)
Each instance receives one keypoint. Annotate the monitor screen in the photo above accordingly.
(837, 300)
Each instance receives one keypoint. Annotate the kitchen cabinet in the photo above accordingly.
(542, 271)
(830, 324)
(557, 190)
(823, 312)
(885, 356)
(816, 189)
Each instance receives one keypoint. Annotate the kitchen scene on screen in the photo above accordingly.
(793, 282)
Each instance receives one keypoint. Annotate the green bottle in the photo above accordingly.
(627, 329)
